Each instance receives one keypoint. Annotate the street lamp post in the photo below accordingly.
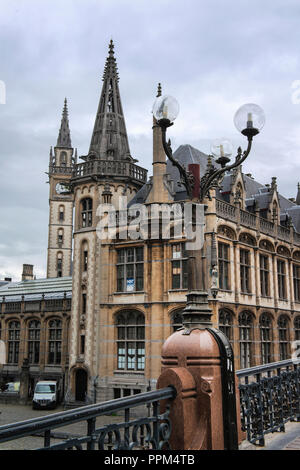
(203, 352)
(249, 120)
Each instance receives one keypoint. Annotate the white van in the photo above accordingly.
(45, 394)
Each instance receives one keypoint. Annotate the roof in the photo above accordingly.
(51, 288)
(255, 191)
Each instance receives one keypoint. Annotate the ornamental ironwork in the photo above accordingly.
(269, 398)
(149, 432)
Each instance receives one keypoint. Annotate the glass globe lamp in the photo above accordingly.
(249, 119)
(221, 149)
(165, 109)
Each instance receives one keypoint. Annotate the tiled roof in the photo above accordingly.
(187, 154)
(52, 288)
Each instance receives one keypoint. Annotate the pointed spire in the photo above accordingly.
(158, 90)
(110, 68)
(298, 195)
(109, 139)
(64, 137)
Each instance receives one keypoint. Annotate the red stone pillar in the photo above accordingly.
(192, 364)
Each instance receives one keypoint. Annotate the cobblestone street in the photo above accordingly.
(14, 413)
(290, 440)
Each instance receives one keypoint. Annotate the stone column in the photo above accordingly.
(24, 382)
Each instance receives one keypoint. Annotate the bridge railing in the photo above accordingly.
(269, 397)
(151, 431)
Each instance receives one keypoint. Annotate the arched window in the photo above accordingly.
(54, 341)
(265, 328)
(245, 339)
(297, 328)
(226, 323)
(131, 340)
(60, 236)
(63, 159)
(34, 329)
(283, 334)
(13, 341)
(86, 208)
(84, 256)
(61, 213)
(59, 264)
(176, 320)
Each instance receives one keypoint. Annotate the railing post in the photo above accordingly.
(261, 411)
(47, 435)
(90, 432)
(204, 414)
(282, 427)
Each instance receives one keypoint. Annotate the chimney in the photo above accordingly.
(27, 274)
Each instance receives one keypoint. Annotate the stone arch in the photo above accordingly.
(283, 251)
(296, 255)
(266, 245)
(247, 238)
(227, 231)
(176, 318)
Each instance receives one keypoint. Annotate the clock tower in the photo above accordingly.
(60, 232)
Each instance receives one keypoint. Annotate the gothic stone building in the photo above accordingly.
(128, 294)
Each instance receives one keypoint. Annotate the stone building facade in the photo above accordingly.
(34, 326)
(128, 293)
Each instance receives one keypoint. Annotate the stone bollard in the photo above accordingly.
(204, 415)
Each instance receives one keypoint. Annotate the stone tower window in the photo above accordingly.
(296, 282)
(265, 327)
(264, 275)
(60, 236)
(281, 279)
(130, 269)
(297, 328)
(86, 207)
(131, 341)
(283, 332)
(54, 342)
(245, 267)
(245, 339)
(84, 254)
(61, 213)
(179, 266)
(13, 342)
(34, 329)
(176, 319)
(63, 159)
(226, 323)
(224, 263)
(59, 264)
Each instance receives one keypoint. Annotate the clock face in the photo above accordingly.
(61, 188)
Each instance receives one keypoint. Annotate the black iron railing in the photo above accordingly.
(269, 397)
(133, 433)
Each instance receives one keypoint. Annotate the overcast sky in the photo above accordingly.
(212, 55)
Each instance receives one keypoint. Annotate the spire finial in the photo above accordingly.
(298, 195)
(158, 90)
(111, 47)
(64, 137)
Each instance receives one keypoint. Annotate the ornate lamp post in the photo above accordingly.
(203, 355)
(249, 120)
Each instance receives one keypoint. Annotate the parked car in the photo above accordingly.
(12, 387)
(45, 394)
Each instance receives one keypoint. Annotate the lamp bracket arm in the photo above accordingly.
(185, 176)
(216, 175)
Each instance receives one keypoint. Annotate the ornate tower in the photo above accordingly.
(106, 173)
(60, 232)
